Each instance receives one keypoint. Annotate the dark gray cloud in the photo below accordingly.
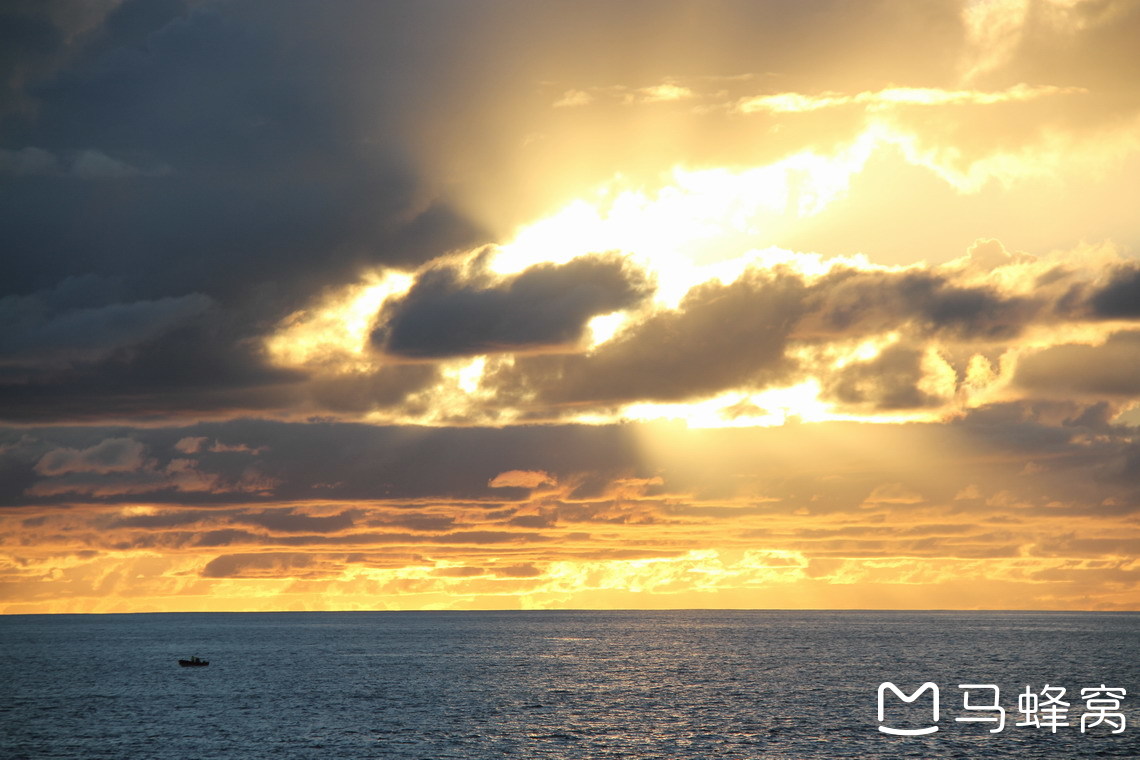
(888, 382)
(1073, 458)
(1120, 297)
(292, 521)
(853, 302)
(37, 37)
(271, 158)
(85, 164)
(76, 321)
(364, 391)
(533, 521)
(266, 565)
(210, 364)
(222, 537)
(206, 169)
(176, 518)
(517, 571)
(418, 521)
(737, 335)
(721, 336)
(309, 564)
(1111, 369)
(451, 313)
(229, 537)
(304, 461)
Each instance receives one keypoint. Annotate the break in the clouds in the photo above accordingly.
(537, 304)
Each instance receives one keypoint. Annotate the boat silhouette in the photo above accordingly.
(194, 662)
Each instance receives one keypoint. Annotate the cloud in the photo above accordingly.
(533, 521)
(141, 91)
(572, 98)
(113, 455)
(190, 444)
(93, 164)
(546, 306)
(117, 468)
(418, 521)
(283, 521)
(890, 381)
(458, 572)
(166, 519)
(308, 460)
(74, 321)
(28, 161)
(895, 493)
(1109, 369)
(1033, 41)
(861, 302)
(777, 326)
(201, 367)
(517, 571)
(234, 198)
(85, 164)
(357, 392)
(301, 565)
(665, 92)
(267, 565)
(720, 336)
(521, 479)
(291, 521)
(876, 517)
(794, 102)
(1119, 298)
(176, 476)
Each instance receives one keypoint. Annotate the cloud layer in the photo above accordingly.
(536, 304)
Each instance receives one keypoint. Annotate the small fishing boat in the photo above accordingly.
(194, 662)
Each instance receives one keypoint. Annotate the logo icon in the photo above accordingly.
(933, 687)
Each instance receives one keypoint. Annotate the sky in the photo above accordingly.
(515, 305)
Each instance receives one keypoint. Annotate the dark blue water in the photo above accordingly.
(697, 684)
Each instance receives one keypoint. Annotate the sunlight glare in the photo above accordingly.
(605, 326)
(699, 219)
(335, 333)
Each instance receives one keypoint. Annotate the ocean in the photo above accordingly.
(571, 685)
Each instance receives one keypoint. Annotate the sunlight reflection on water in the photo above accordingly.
(569, 685)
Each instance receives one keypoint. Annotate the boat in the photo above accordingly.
(194, 662)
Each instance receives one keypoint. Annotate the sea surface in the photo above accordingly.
(572, 685)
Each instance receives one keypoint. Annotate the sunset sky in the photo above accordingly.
(469, 305)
